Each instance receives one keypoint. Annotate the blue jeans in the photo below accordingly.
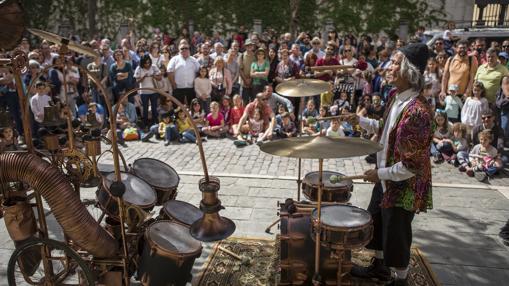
(205, 105)
(145, 98)
(188, 136)
(504, 123)
(170, 133)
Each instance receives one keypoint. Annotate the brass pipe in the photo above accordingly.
(67, 207)
(179, 104)
(24, 113)
(318, 223)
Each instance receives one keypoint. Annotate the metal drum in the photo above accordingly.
(163, 178)
(137, 192)
(344, 227)
(339, 192)
(181, 212)
(297, 251)
(168, 254)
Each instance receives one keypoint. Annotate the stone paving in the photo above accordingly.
(224, 158)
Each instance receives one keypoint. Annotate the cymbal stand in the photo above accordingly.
(316, 276)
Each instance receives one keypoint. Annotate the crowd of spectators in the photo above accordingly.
(228, 85)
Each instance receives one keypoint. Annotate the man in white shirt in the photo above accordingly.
(182, 70)
(316, 43)
(403, 175)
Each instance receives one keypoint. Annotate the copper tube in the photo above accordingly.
(319, 222)
(69, 211)
(93, 148)
(179, 104)
(20, 59)
(51, 142)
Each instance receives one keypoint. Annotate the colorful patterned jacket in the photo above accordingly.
(409, 143)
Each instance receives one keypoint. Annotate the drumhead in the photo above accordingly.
(137, 191)
(182, 211)
(343, 216)
(311, 178)
(172, 237)
(157, 173)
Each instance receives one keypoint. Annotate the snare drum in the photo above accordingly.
(339, 192)
(137, 192)
(344, 227)
(168, 254)
(181, 212)
(163, 178)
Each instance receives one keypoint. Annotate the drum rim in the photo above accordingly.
(165, 188)
(306, 182)
(130, 174)
(169, 253)
(340, 228)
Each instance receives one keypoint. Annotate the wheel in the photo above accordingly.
(62, 265)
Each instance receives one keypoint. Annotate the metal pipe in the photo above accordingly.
(67, 207)
(318, 223)
(179, 104)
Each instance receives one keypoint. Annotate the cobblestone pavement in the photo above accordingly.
(224, 158)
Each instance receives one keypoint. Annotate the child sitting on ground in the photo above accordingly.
(287, 128)
(215, 126)
(309, 114)
(197, 114)
(316, 126)
(235, 114)
(441, 136)
(459, 144)
(335, 130)
(165, 130)
(484, 159)
(184, 127)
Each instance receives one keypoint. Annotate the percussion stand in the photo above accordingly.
(316, 276)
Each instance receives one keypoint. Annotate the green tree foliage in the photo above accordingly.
(225, 15)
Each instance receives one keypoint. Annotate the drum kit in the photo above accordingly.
(326, 222)
(120, 240)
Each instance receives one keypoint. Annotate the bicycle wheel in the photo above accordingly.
(62, 265)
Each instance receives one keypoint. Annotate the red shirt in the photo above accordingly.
(235, 115)
(266, 112)
(324, 62)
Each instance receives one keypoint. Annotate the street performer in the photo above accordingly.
(403, 174)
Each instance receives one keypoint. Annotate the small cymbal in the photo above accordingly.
(73, 46)
(302, 87)
(321, 147)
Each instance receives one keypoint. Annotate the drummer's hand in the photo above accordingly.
(372, 176)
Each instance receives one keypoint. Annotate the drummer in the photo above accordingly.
(403, 175)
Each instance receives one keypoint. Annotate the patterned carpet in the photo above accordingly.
(260, 265)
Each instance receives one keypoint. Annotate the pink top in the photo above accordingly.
(216, 121)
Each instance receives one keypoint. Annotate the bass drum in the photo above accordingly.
(297, 251)
(168, 254)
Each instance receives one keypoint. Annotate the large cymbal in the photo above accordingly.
(321, 147)
(12, 21)
(73, 46)
(302, 87)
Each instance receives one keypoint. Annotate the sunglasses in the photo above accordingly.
(485, 117)
(439, 43)
(505, 46)
(184, 48)
(348, 50)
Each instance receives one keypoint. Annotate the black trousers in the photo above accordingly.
(392, 230)
(184, 95)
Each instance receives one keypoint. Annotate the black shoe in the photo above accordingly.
(123, 144)
(371, 158)
(376, 270)
(398, 282)
(167, 143)
(146, 136)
